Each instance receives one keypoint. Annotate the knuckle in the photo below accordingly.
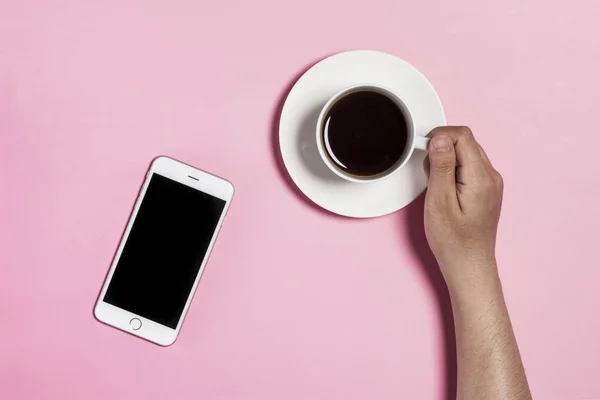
(499, 179)
(465, 131)
(437, 131)
(444, 167)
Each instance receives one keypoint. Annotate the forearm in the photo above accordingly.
(489, 364)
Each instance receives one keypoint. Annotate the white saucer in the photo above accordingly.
(298, 123)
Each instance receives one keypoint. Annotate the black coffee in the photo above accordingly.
(365, 133)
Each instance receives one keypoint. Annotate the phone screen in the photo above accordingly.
(164, 251)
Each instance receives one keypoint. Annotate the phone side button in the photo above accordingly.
(135, 324)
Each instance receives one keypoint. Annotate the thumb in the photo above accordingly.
(442, 173)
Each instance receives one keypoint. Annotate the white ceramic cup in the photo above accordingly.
(413, 143)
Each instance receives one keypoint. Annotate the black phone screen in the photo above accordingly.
(164, 251)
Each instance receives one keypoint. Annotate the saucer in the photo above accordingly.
(299, 120)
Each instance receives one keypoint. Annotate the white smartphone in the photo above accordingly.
(165, 247)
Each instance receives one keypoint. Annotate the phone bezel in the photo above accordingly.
(189, 176)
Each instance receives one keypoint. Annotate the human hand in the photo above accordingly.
(462, 206)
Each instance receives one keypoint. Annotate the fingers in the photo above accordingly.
(442, 172)
(471, 159)
(467, 148)
(484, 155)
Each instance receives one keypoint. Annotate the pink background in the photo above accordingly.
(295, 303)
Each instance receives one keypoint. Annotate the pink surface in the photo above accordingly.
(295, 303)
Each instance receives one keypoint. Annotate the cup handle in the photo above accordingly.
(422, 143)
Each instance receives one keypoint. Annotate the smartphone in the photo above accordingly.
(163, 251)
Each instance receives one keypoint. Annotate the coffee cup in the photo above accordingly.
(365, 133)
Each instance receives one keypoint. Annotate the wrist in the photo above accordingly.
(469, 280)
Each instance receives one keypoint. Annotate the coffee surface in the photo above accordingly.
(365, 133)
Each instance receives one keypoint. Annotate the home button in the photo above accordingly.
(135, 324)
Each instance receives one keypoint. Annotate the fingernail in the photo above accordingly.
(441, 143)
